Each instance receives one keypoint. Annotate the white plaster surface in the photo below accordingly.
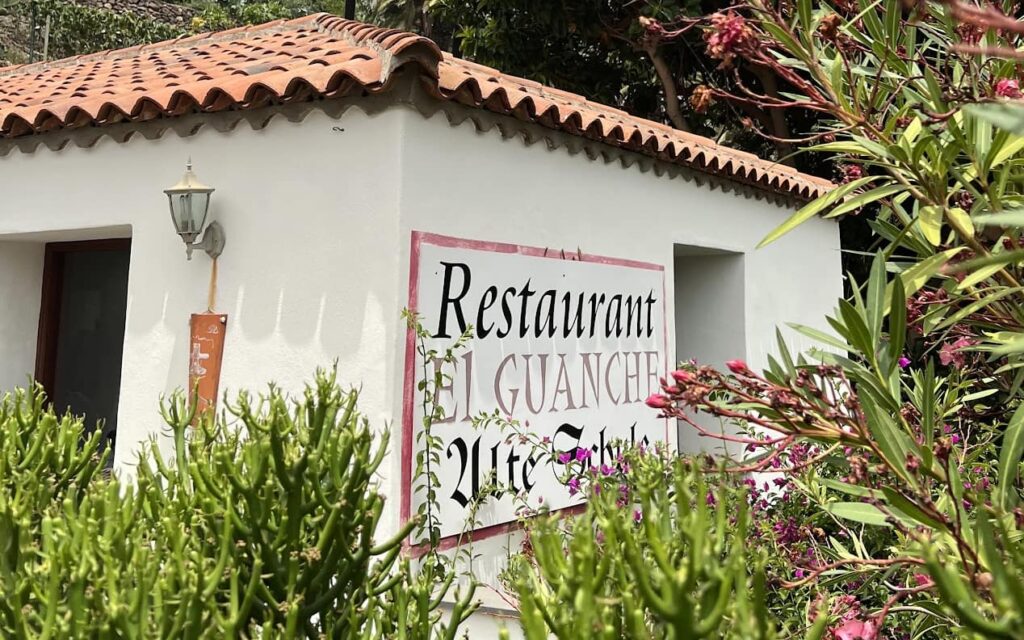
(308, 276)
(710, 305)
(461, 182)
(315, 269)
(21, 269)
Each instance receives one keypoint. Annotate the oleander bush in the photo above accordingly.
(883, 468)
(264, 528)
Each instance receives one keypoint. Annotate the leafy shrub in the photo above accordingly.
(226, 15)
(76, 29)
(264, 531)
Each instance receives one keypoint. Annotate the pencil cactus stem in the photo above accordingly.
(236, 537)
(713, 619)
(658, 566)
(395, 541)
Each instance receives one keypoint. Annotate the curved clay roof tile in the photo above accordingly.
(324, 55)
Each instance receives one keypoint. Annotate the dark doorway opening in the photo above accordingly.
(81, 329)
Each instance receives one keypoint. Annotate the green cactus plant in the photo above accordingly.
(659, 557)
(265, 528)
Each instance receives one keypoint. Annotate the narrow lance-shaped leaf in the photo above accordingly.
(875, 301)
(814, 208)
(1008, 116)
(897, 320)
(858, 512)
(866, 198)
(929, 220)
(1009, 460)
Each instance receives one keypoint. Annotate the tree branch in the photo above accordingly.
(668, 85)
(780, 128)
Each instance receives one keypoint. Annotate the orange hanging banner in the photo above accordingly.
(206, 353)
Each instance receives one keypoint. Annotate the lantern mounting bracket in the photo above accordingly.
(212, 242)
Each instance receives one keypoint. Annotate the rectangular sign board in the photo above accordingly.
(568, 345)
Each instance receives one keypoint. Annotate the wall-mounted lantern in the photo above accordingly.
(190, 202)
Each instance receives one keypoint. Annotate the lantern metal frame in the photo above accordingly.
(213, 239)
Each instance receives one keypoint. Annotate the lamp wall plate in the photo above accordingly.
(212, 242)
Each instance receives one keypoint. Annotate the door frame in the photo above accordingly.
(50, 300)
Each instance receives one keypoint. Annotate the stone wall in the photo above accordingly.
(156, 10)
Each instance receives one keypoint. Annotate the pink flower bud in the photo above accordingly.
(658, 401)
(683, 377)
(851, 172)
(738, 367)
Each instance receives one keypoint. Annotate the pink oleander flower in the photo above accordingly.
(574, 486)
(904, 362)
(1008, 88)
(856, 630)
(606, 470)
(637, 515)
(564, 457)
(729, 35)
(582, 454)
(658, 401)
(852, 172)
(951, 353)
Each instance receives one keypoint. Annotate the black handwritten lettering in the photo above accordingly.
(448, 300)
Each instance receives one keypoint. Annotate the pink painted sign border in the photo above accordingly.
(420, 238)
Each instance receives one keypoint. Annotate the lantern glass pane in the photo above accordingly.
(200, 203)
(188, 211)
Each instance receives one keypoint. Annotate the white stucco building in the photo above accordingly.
(331, 145)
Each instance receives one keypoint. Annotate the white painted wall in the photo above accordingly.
(461, 182)
(316, 265)
(308, 275)
(710, 323)
(21, 272)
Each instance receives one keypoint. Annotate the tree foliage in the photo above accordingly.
(645, 57)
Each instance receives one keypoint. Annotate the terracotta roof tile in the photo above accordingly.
(325, 56)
